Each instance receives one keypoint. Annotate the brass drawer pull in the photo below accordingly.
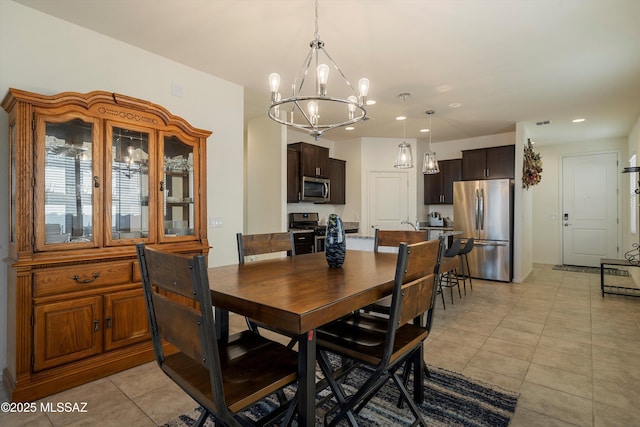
(77, 278)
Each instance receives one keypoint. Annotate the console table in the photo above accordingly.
(613, 289)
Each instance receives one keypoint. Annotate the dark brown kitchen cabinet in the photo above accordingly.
(438, 188)
(293, 176)
(337, 177)
(488, 163)
(314, 159)
(304, 242)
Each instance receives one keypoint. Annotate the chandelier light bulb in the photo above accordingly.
(312, 107)
(352, 106)
(323, 76)
(363, 87)
(274, 84)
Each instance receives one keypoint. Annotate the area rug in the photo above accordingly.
(593, 270)
(451, 399)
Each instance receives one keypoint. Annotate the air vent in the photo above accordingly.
(544, 122)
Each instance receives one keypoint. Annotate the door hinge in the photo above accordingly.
(33, 359)
(33, 321)
(33, 121)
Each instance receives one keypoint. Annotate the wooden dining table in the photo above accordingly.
(297, 295)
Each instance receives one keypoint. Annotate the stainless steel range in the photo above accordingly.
(305, 227)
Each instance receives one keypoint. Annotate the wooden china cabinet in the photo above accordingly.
(90, 176)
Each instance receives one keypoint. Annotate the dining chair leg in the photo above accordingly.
(338, 392)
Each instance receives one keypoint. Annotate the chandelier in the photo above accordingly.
(312, 109)
(430, 164)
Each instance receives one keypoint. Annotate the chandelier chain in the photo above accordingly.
(315, 34)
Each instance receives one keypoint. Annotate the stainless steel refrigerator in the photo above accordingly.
(484, 210)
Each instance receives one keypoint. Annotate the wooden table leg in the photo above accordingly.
(307, 379)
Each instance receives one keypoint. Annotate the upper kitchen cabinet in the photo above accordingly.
(488, 163)
(337, 176)
(91, 175)
(293, 176)
(438, 188)
(314, 159)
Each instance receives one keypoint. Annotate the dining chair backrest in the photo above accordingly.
(417, 278)
(182, 284)
(393, 238)
(267, 243)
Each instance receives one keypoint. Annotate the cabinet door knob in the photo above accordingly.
(96, 183)
(108, 319)
(96, 325)
(161, 186)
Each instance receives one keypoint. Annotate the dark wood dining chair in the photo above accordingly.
(223, 376)
(266, 243)
(392, 239)
(261, 244)
(382, 344)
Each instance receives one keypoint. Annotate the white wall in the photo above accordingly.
(547, 195)
(43, 54)
(266, 179)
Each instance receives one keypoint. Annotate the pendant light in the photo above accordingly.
(313, 109)
(404, 160)
(430, 165)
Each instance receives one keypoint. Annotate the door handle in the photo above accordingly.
(567, 224)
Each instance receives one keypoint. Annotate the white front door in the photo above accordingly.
(590, 208)
(388, 202)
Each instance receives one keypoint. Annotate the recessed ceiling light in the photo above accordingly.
(424, 130)
(578, 120)
(455, 105)
(349, 128)
(401, 118)
(371, 101)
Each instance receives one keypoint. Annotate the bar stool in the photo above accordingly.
(449, 268)
(464, 262)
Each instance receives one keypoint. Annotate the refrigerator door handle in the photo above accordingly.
(480, 243)
(476, 203)
(481, 202)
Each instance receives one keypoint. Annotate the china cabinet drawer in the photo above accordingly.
(52, 281)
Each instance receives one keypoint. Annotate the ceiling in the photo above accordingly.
(500, 61)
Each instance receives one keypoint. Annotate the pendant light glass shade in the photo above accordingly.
(430, 164)
(404, 160)
(405, 156)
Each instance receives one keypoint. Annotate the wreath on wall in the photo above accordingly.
(531, 167)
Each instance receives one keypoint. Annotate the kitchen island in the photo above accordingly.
(361, 242)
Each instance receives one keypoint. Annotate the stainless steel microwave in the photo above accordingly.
(315, 189)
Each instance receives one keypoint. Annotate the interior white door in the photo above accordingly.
(590, 208)
(388, 204)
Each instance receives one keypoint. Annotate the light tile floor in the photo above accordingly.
(573, 356)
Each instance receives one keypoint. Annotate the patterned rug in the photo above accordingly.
(592, 270)
(451, 399)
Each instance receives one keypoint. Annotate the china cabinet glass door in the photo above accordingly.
(178, 188)
(68, 212)
(127, 181)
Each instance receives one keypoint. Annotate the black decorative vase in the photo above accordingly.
(335, 243)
